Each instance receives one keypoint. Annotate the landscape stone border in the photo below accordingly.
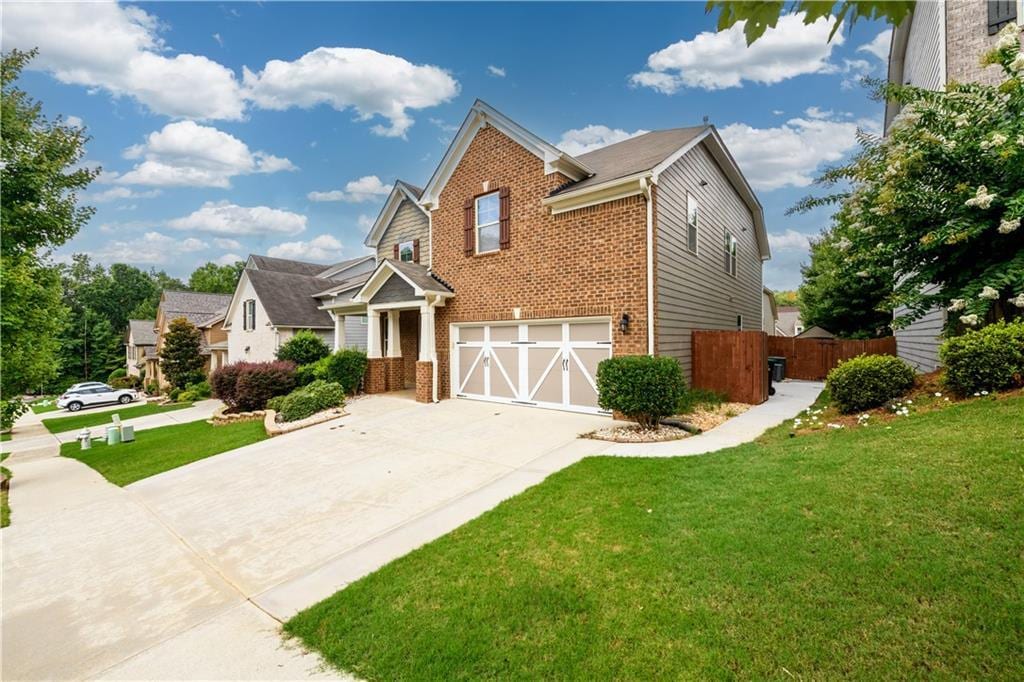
(274, 428)
(222, 416)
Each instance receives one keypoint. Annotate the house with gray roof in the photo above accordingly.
(206, 312)
(277, 297)
(139, 343)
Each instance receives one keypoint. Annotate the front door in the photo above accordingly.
(542, 364)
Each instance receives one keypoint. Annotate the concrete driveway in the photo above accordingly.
(187, 574)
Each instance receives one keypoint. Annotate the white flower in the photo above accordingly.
(981, 199)
(1018, 62)
(1018, 300)
(863, 273)
(938, 395)
(843, 244)
(957, 304)
(969, 320)
(962, 120)
(1007, 36)
(910, 402)
(976, 394)
(835, 426)
(984, 392)
(989, 293)
(997, 140)
(1008, 225)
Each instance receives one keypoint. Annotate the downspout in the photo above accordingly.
(647, 187)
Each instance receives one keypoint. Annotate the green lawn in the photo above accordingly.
(86, 419)
(874, 553)
(161, 449)
(5, 507)
(4, 437)
(40, 409)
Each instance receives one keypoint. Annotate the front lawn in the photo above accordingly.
(85, 419)
(885, 552)
(161, 449)
(46, 403)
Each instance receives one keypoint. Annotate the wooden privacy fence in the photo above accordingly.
(733, 363)
(813, 358)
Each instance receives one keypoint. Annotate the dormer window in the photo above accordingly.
(406, 251)
(488, 231)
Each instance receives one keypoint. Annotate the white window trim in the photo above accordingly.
(412, 250)
(249, 321)
(478, 225)
(732, 247)
(695, 225)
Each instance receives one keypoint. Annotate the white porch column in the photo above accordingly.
(426, 333)
(339, 331)
(394, 349)
(372, 333)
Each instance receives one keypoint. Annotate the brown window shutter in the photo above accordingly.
(397, 255)
(415, 250)
(504, 232)
(468, 228)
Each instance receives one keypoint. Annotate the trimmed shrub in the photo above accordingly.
(642, 387)
(116, 374)
(303, 349)
(308, 400)
(868, 381)
(194, 392)
(345, 367)
(175, 394)
(986, 359)
(247, 386)
(153, 388)
(306, 374)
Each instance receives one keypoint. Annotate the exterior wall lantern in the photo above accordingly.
(624, 323)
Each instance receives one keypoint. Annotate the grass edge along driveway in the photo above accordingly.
(878, 553)
(162, 449)
(91, 420)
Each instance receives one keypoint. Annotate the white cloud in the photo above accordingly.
(790, 154)
(855, 70)
(366, 188)
(152, 248)
(324, 248)
(364, 222)
(74, 122)
(119, 193)
(220, 41)
(714, 61)
(222, 243)
(879, 46)
(224, 218)
(816, 112)
(591, 137)
(229, 259)
(790, 240)
(186, 154)
(496, 71)
(118, 48)
(370, 82)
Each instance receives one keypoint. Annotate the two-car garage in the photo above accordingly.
(550, 363)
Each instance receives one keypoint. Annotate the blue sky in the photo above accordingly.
(236, 128)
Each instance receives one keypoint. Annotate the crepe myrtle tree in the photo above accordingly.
(939, 200)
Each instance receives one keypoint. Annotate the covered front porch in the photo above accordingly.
(399, 301)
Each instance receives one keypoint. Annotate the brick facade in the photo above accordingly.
(587, 262)
(394, 370)
(376, 380)
(409, 333)
(967, 41)
(424, 381)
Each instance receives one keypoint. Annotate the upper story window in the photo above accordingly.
(731, 249)
(692, 216)
(249, 315)
(488, 231)
(406, 251)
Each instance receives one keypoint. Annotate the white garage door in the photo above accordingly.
(545, 364)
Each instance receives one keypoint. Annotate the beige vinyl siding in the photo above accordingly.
(693, 291)
(408, 224)
(355, 332)
(924, 64)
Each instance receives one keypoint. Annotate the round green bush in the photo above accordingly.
(868, 381)
(345, 367)
(642, 387)
(986, 359)
(308, 400)
(116, 374)
(303, 349)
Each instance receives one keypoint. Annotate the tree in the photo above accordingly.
(761, 15)
(788, 298)
(39, 210)
(180, 358)
(216, 279)
(146, 310)
(936, 205)
(303, 349)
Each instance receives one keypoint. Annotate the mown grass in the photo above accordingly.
(162, 449)
(876, 553)
(38, 407)
(88, 420)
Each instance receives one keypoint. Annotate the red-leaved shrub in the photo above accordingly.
(247, 386)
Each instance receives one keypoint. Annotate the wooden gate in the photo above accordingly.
(812, 359)
(733, 363)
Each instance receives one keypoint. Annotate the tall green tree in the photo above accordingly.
(216, 279)
(180, 360)
(41, 178)
(760, 15)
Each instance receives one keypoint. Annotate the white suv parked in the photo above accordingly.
(91, 394)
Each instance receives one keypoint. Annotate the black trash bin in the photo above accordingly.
(777, 365)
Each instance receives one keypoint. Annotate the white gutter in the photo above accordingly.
(646, 186)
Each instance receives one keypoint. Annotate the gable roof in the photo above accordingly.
(142, 332)
(201, 309)
(401, 191)
(482, 114)
(289, 298)
(295, 267)
(344, 285)
(337, 270)
(418, 276)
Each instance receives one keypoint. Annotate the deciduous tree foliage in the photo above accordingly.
(216, 279)
(760, 15)
(180, 359)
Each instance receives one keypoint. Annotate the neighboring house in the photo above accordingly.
(518, 268)
(789, 323)
(815, 332)
(139, 344)
(206, 312)
(938, 43)
(769, 313)
(276, 297)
